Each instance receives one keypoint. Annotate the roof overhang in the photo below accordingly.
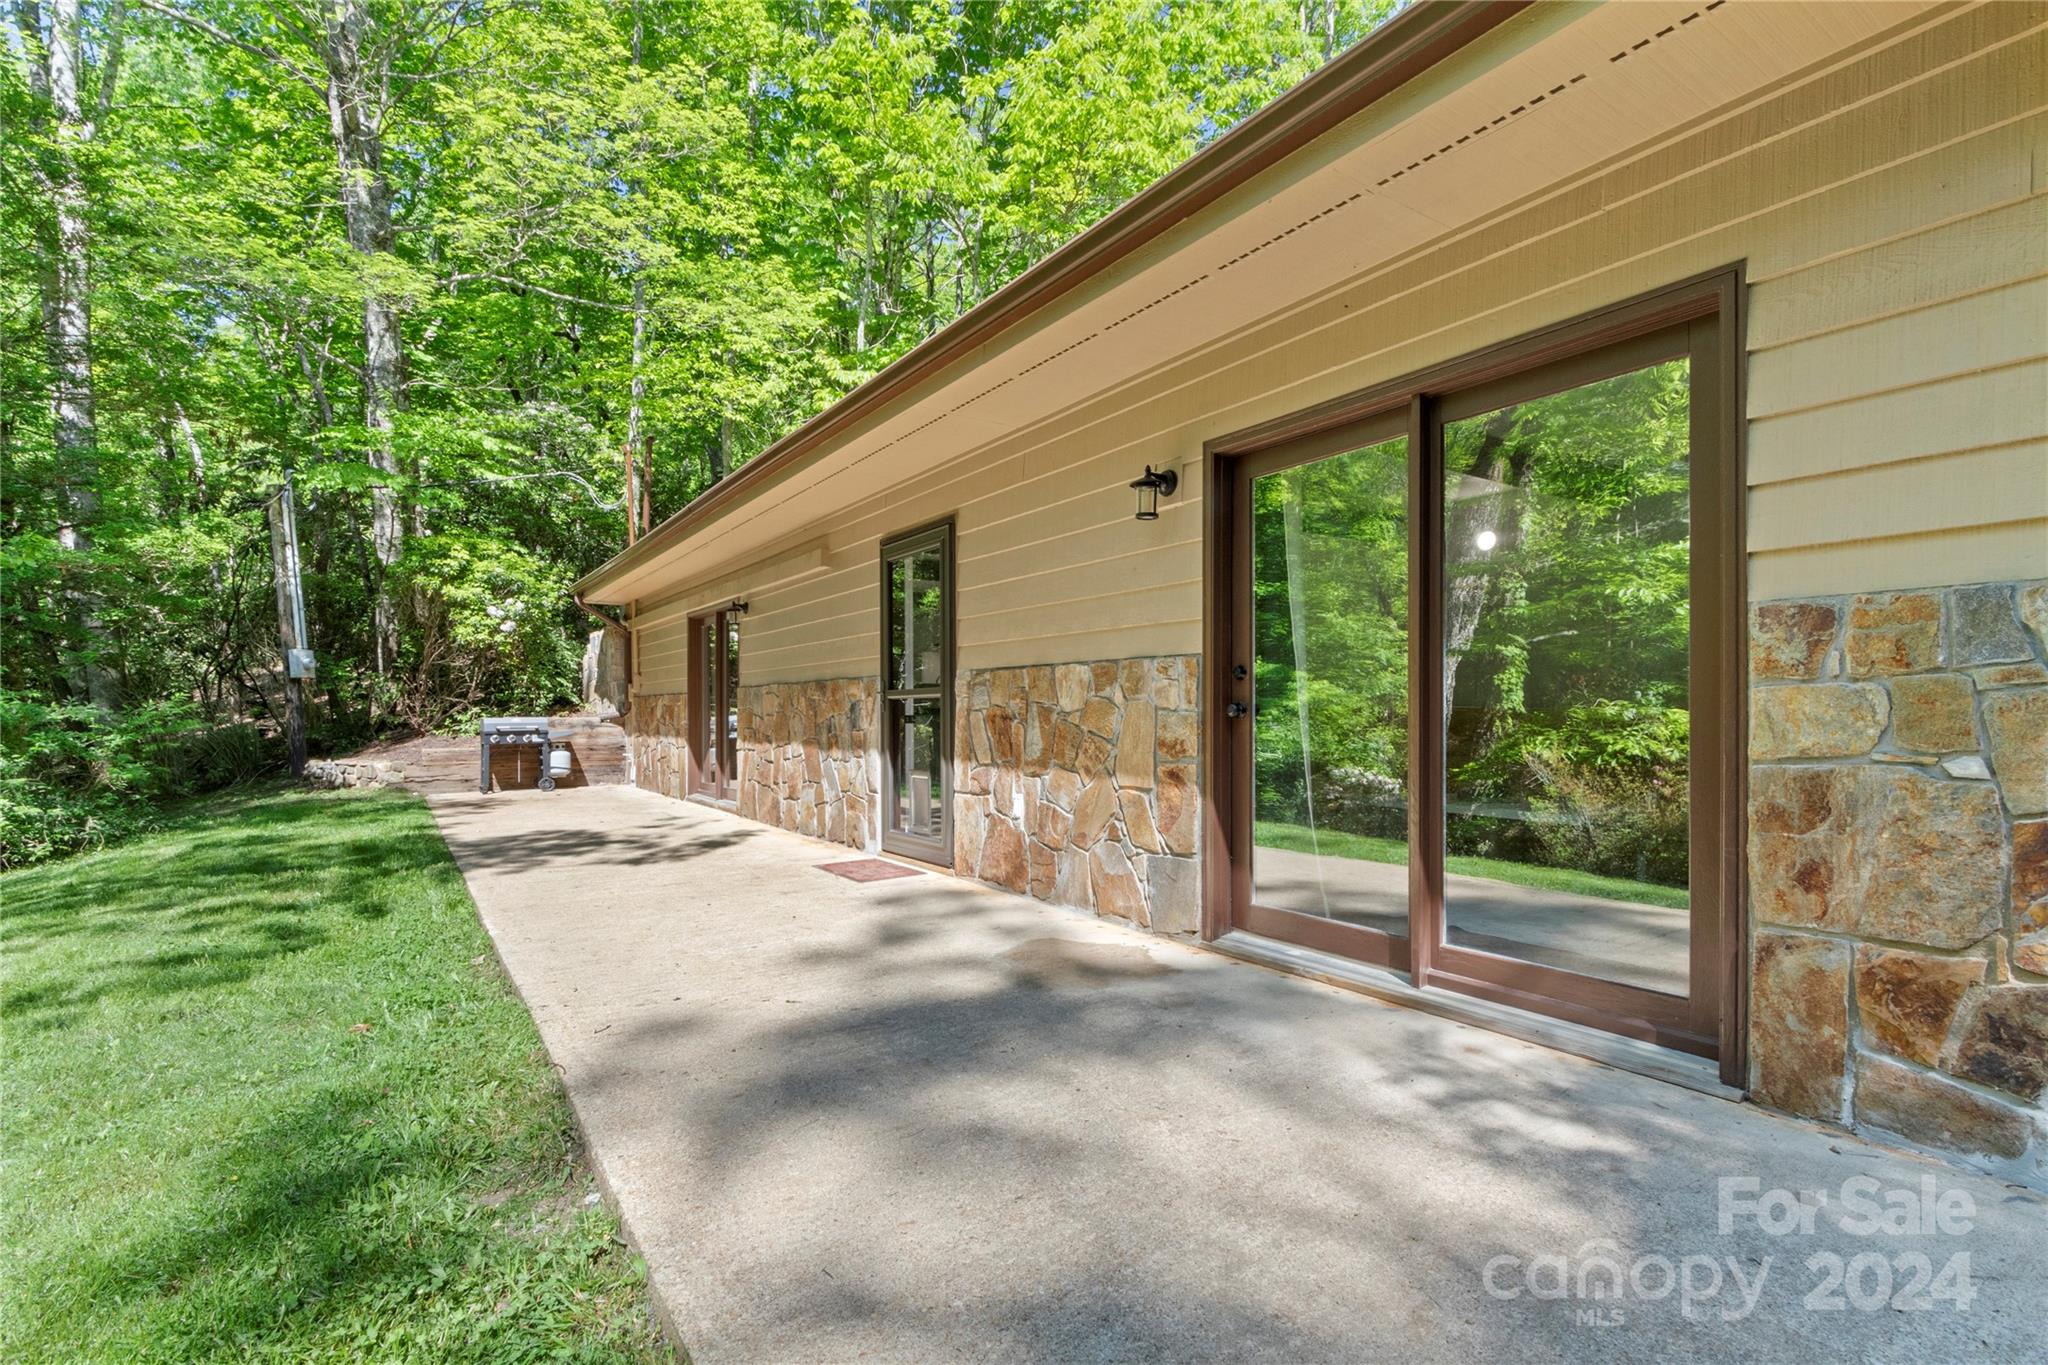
(1448, 119)
(1404, 47)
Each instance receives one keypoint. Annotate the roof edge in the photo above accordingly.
(1410, 43)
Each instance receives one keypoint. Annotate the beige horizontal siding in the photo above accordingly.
(1971, 554)
(1920, 497)
(661, 657)
(1981, 251)
(1987, 331)
(1890, 209)
(1996, 408)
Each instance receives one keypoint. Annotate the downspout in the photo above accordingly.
(598, 614)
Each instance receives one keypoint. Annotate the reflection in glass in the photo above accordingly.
(716, 741)
(1330, 621)
(1566, 612)
(914, 668)
(919, 794)
(730, 728)
(707, 743)
(916, 619)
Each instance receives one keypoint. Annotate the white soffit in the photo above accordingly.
(1557, 91)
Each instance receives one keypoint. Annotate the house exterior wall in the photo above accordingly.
(661, 656)
(1898, 855)
(808, 760)
(1889, 211)
(657, 752)
(1078, 785)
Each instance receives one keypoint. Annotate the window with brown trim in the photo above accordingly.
(715, 704)
(1480, 636)
(917, 693)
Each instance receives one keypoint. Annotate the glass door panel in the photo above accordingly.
(916, 619)
(1481, 707)
(729, 701)
(1566, 535)
(714, 703)
(1329, 598)
(917, 681)
(917, 767)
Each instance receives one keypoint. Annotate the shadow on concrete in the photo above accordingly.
(918, 1120)
(480, 841)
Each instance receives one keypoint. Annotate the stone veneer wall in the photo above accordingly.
(1077, 783)
(807, 762)
(655, 724)
(1898, 854)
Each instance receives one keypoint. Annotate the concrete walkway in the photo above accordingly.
(915, 1120)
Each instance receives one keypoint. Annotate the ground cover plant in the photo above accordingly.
(269, 1098)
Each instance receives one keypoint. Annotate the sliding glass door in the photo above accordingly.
(1477, 719)
(1325, 523)
(1567, 539)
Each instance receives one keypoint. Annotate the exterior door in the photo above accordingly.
(1482, 652)
(917, 694)
(1322, 637)
(714, 704)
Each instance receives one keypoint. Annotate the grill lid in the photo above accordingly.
(515, 725)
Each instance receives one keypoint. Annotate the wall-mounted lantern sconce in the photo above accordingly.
(1154, 483)
(737, 606)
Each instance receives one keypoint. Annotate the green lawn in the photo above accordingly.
(268, 1097)
(1331, 843)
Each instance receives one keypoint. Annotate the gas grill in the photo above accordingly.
(531, 731)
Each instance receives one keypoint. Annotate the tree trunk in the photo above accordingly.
(355, 95)
(636, 491)
(1465, 519)
(67, 336)
(285, 583)
(722, 454)
(193, 452)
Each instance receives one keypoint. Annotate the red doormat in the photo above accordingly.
(869, 870)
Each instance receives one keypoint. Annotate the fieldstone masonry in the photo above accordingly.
(655, 724)
(807, 760)
(1898, 864)
(1078, 784)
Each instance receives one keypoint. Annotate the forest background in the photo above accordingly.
(444, 264)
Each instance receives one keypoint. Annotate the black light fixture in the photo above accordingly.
(737, 607)
(1154, 483)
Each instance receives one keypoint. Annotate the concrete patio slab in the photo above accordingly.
(919, 1120)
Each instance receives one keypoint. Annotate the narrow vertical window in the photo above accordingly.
(715, 704)
(917, 675)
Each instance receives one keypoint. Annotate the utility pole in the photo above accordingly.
(291, 620)
(639, 493)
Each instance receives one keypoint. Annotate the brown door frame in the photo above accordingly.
(714, 775)
(940, 849)
(1700, 318)
(1312, 931)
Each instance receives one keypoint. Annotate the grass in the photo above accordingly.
(268, 1097)
(1333, 843)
